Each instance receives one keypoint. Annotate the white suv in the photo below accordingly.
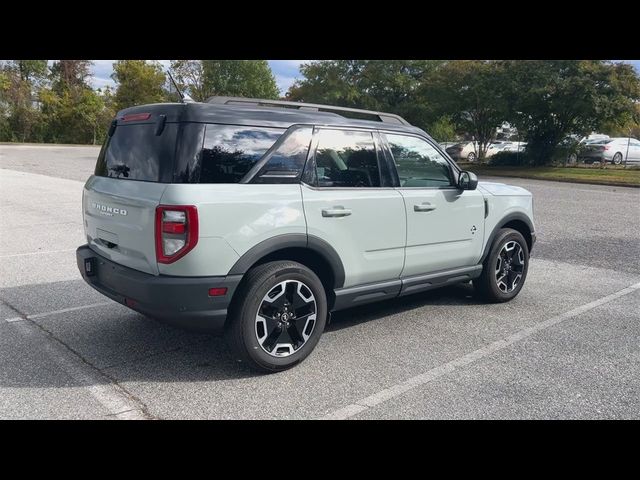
(257, 218)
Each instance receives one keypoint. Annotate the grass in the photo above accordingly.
(610, 175)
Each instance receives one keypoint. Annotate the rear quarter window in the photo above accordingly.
(230, 151)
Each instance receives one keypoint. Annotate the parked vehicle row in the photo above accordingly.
(593, 148)
(468, 151)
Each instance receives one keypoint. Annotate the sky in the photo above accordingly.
(285, 71)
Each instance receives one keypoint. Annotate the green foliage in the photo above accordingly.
(545, 100)
(443, 129)
(509, 158)
(138, 82)
(549, 99)
(385, 85)
(202, 79)
(75, 116)
(238, 78)
(189, 76)
(20, 117)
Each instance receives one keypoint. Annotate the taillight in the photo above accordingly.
(135, 117)
(176, 231)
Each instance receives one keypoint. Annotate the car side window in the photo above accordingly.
(418, 163)
(285, 164)
(346, 158)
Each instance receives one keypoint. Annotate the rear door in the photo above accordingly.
(350, 203)
(119, 201)
(445, 225)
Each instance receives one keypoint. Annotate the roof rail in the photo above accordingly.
(314, 107)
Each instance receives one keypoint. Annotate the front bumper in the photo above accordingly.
(179, 301)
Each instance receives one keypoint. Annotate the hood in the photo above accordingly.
(502, 189)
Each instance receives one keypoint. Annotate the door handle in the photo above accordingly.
(338, 211)
(424, 207)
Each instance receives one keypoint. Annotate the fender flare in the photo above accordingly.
(291, 240)
(506, 219)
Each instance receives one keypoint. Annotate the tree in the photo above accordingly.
(470, 92)
(19, 83)
(70, 74)
(383, 85)
(189, 75)
(238, 78)
(550, 99)
(202, 79)
(138, 82)
(72, 111)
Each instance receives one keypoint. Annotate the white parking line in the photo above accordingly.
(426, 377)
(117, 402)
(38, 253)
(63, 310)
(71, 309)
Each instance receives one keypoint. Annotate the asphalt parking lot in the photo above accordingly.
(567, 347)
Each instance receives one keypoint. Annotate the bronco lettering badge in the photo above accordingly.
(109, 211)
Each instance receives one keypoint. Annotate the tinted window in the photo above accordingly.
(346, 159)
(285, 164)
(418, 163)
(135, 152)
(230, 151)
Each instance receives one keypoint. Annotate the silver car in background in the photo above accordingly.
(614, 151)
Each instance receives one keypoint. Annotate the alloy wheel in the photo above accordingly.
(286, 318)
(509, 266)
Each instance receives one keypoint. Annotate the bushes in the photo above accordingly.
(514, 159)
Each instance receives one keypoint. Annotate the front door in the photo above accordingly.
(445, 225)
(350, 203)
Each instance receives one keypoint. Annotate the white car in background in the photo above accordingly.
(463, 151)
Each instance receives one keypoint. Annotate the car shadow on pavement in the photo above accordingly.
(460, 294)
(128, 346)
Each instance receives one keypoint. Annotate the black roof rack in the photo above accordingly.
(314, 107)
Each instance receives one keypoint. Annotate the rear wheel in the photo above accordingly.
(471, 157)
(278, 318)
(617, 159)
(505, 268)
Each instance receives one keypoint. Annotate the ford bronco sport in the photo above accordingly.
(257, 218)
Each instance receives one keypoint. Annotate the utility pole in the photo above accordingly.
(627, 154)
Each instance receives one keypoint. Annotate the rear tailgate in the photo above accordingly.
(119, 220)
(133, 169)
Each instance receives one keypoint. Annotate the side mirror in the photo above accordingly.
(467, 181)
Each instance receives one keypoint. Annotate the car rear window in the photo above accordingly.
(135, 152)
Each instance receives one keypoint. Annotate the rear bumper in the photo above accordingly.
(179, 301)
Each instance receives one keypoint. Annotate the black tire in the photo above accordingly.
(486, 284)
(241, 329)
(617, 159)
(471, 157)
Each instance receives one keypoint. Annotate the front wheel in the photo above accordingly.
(505, 268)
(278, 318)
(471, 157)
